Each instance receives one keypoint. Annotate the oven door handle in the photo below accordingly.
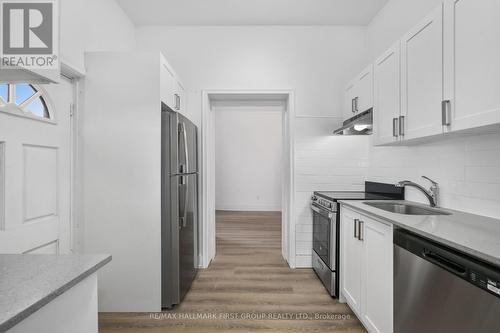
(321, 211)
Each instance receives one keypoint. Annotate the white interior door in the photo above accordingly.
(35, 168)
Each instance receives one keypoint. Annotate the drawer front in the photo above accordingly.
(326, 276)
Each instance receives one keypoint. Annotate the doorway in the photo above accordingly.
(237, 112)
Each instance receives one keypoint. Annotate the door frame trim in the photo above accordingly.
(75, 76)
(207, 175)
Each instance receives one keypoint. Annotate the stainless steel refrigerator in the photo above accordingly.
(179, 213)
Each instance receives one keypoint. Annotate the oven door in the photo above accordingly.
(323, 243)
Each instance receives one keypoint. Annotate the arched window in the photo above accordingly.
(23, 99)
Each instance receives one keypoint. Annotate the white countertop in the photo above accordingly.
(28, 282)
(476, 235)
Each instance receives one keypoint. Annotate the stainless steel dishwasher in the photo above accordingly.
(437, 289)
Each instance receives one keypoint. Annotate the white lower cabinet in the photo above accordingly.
(366, 269)
(351, 260)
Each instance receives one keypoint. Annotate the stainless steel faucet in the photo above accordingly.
(431, 194)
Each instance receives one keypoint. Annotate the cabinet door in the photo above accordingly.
(422, 77)
(377, 275)
(349, 101)
(387, 95)
(167, 85)
(364, 90)
(351, 260)
(472, 62)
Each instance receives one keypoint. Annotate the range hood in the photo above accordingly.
(360, 124)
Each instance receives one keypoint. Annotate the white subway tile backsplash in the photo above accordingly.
(481, 174)
(303, 247)
(467, 169)
(323, 162)
(303, 261)
(304, 228)
(483, 142)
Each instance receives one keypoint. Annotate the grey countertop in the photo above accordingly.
(28, 282)
(476, 235)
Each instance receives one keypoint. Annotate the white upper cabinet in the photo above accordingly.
(422, 77)
(365, 90)
(359, 94)
(349, 101)
(449, 72)
(167, 84)
(172, 91)
(179, 97)
(387, 96)
(472, 63)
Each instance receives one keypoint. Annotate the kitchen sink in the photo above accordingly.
(405, 209)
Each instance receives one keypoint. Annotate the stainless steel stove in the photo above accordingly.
(326, 227)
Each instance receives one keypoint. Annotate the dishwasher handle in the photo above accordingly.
(445, 263)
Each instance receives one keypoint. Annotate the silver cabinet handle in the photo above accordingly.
(356, 221)
(360, 228)
(353, 105)
(177, 102)
(356, 104)
(395, 127)
(401, 125)
(446, 112)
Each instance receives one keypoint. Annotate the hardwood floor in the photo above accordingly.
(247, 288)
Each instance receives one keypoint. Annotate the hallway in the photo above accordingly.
(247, 288)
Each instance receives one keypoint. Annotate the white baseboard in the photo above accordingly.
(249, 208)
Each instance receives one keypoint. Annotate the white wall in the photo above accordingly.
(93, 25)
(467, 168)
(248, 156)
(314, 62)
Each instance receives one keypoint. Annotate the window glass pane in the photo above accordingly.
(38, 108)
(4, 92)
(23, 92)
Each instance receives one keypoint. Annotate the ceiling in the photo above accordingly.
(251, 12)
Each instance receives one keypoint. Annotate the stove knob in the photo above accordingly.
(314, 198)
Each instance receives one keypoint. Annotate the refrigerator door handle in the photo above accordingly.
(184, 168)
(183, 181)
(186, 197)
